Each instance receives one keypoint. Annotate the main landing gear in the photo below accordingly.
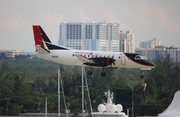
(102, 73)
(89, 72)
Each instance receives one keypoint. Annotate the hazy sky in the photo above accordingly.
(147, 19)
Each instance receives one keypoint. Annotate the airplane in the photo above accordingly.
(45, 49)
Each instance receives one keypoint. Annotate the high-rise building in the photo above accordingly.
(126, 41)
(150, 43)
(71, 35)
(99, 36)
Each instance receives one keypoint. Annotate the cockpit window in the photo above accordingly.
(140, 57)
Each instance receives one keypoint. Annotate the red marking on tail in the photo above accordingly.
(37, 36)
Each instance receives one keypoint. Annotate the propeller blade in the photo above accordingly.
(112, 61)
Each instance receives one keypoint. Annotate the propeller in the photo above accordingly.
(112, 61)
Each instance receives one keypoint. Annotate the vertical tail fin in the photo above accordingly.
(41, 39)
(37, 36)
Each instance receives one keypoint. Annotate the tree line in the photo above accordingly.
(26, 81)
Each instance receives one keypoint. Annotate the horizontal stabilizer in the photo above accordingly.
(55, 47)
(42, 50)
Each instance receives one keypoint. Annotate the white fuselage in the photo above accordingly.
(67, 57)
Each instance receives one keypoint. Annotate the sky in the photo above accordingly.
(147, 19)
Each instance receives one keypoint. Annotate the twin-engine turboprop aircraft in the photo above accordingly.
(91, 59)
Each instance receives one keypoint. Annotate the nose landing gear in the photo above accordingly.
(142, 74)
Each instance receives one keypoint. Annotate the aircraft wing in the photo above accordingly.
(83, 59)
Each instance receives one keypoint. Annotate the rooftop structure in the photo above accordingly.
(109, 109)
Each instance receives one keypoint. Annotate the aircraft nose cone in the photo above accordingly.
(152, 64)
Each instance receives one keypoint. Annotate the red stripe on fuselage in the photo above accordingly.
(37, 36)
(107, 61)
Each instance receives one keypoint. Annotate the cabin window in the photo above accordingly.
(140, 57)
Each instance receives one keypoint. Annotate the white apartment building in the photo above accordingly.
(99, 36)
(150, 43)
(10, 53)
(126, 42)
(160, 52)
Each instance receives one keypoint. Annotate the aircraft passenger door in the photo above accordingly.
(123, 60)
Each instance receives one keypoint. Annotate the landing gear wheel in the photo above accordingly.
(89, 72)
(141, 76)
(103, 74)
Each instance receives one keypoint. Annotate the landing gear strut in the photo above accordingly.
(142, 74)
(102, 73)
